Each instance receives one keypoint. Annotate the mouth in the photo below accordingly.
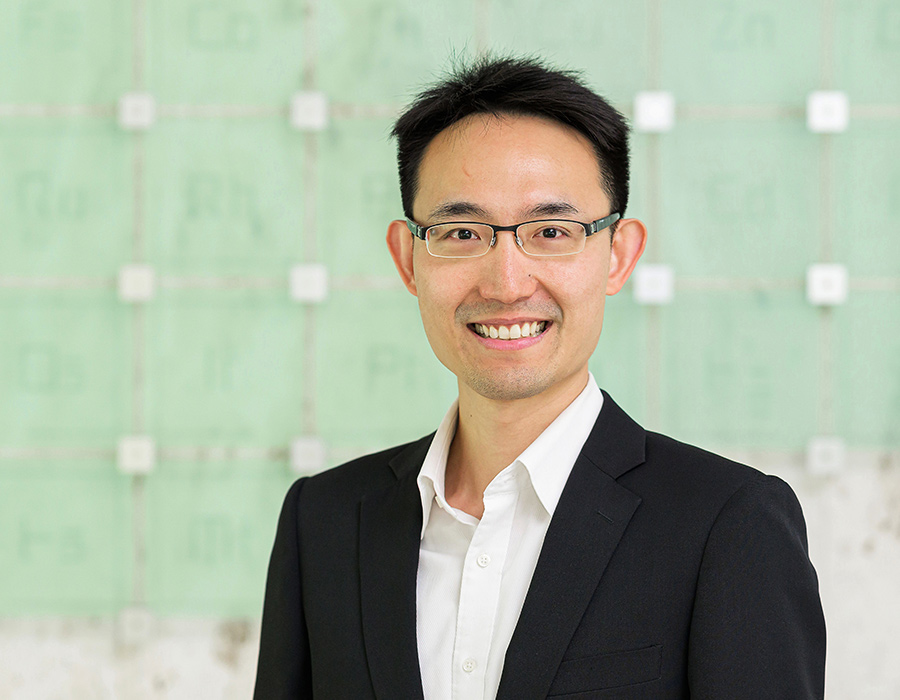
(512, 332)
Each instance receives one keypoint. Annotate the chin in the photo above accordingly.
(509, 385)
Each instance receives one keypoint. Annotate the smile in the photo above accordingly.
(513, 332)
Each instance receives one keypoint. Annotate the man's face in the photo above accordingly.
(505, 171)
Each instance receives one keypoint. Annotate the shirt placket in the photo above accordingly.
(480, 591)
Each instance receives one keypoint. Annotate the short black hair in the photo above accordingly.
(517, 87)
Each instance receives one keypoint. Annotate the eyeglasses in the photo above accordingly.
(545, 238)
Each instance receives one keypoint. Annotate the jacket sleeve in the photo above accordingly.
(757, 629)
(283, 670)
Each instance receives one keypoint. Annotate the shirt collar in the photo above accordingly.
(431, 476)
(548, 460)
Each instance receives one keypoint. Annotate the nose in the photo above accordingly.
(507, 271)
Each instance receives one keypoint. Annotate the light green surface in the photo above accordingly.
(225, 368)
(231, 52)
(737, 199)
(740, 199)
(209, 534)
(224, 197)
(740, 369)
(358, 194)
(725, 52)
(65, 197)
(65, 538)
(867, 183)
(377, 382)
(62, 51)
(64, 369)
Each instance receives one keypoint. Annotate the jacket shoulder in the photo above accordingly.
(684, 474)
(371, 472)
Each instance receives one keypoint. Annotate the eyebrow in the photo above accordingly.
(454, 209)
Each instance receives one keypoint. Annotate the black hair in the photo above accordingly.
(516, 87)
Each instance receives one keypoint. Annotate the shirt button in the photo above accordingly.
(483, 560)
(468, 665)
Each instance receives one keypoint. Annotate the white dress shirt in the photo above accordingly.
(473, 574)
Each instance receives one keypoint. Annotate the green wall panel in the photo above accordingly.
(358, 194)
(867, 186)
(868, 50)
(209, 534)
(734, 52)
(739, 199)
(225, 198)
(224, 51)
(868, 360)
(59, 51)
(65, 197)
(378, 383)
(225, 368)
(64, 369)
(379, 51)
(608, 41)
(740, 368)
(65, 538)
(221, 202)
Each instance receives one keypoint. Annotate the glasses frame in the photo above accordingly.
(421, 232)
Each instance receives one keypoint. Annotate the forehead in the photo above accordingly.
(506, 161)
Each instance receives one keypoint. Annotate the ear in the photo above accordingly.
(400, 243)
(627, 245)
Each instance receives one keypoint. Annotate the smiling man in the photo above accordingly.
(540, 543)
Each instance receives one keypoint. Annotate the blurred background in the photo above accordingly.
(197, 306)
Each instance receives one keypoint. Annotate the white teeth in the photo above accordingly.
(514, 332)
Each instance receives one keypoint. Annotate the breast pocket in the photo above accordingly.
(610, 670)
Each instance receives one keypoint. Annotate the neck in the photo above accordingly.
(490, 434)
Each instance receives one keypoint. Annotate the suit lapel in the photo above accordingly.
(589, 520)
(390, 525)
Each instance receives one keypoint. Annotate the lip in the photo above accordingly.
(507, 345)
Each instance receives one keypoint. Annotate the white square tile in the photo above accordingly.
(825, 455)
(309, 283)
(654, 111)
(137, 111)
(654, 284)
(827, 111)
(826, 284)
(134, 626)
(307, 455)
(309, 111)
(136, 454)
(137, 283)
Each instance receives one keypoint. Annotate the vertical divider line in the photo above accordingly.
(654, 44)
(482, 31)
(310, 221)
(138, 375)
(138, 48)
(654, 378)
(826, 421)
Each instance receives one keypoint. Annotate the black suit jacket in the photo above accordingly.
(666, 572)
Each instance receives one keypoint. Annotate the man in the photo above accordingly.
(540, 543)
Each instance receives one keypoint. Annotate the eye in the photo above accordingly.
(461, 234)
(552, 232)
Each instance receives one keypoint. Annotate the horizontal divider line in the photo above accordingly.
(374, 282)
(875, 457)
(349, 111)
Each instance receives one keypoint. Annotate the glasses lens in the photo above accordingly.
(552, 237)
(458, 240)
